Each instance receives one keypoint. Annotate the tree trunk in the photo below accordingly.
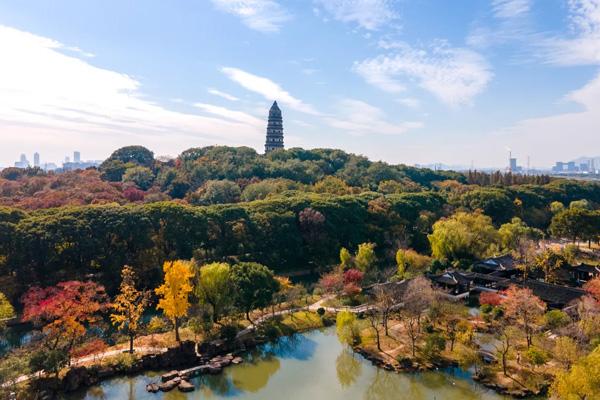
(248, 317)
(504, 364)
(177, 338)
(131, 344)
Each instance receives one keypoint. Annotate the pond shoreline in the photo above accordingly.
(189, 355)
(379, 361)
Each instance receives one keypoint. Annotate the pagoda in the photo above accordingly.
(274, 129)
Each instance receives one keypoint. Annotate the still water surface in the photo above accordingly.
(310, 366)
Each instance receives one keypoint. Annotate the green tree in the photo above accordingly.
(536, 356)
(113, 170)
(347, 328)
(582, 204)
(576, 224)
(494, 203)
(129, 306)
(410, 263)
(566, 351)
(138, 155)
(332, 185)
(254, 286)
(365, 257)
(214, 288)
(216, 192)
(556, 207)
(463, 236)
(581, 381)
(6, 310)
(549, 262)
(142, 177)
(345, 258)
(433, 347)
(514, 232)
(12, 366)
(49, 360)
(554, 319)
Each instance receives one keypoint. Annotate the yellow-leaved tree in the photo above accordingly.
(129, 306)
(174, 292)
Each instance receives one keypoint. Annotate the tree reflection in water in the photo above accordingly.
(348, 367)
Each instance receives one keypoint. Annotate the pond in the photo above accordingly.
(314, 365)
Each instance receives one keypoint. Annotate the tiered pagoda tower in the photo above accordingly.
(274, 129)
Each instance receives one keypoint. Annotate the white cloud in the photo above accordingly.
(454, 75)
(235, 116)
(511, 8)
(368, 14)
(583, 45)
(44, 91)
(267, 88)
(359, 118)
(223, 94)
(409, 102)
(260, 15)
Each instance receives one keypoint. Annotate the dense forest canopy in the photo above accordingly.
(290, 210)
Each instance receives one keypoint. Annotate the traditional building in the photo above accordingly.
(274, 129)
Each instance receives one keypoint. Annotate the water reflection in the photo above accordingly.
(312, 366)
(383, 384)
(347, 367)
(258, 367)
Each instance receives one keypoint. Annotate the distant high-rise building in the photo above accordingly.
(513, 165)
(36, 159)
(67, 160)
(274, 129)
(23, 162)
(76, 156)
(558, 167)
(571, 166)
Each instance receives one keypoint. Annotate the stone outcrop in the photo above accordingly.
(185, 386)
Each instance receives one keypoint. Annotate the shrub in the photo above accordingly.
(556, 319)
(271, 331)
(486, 308)
(434, 345)
(122, 361)
(536, 356)
(228, 332)
(49, 360)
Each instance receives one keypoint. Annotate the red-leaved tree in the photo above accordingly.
(522, 306)
(491, 298)
(65, 310)
(593, 288)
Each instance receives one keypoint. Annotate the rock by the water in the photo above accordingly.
(169, 385)
(169, 376)
(185, 386)
(214, 368)
(237, 360)
(152, 388)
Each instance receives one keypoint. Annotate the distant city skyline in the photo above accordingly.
(404, 82)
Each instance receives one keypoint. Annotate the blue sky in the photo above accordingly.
(403, 81)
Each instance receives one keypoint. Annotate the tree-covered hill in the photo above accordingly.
(290, 210)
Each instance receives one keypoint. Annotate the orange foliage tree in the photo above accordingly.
(65, 310)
